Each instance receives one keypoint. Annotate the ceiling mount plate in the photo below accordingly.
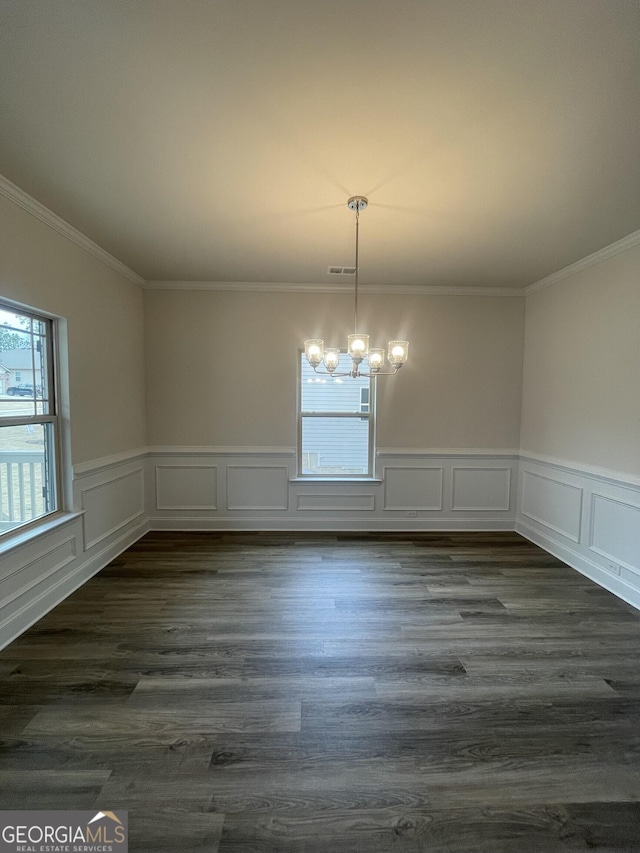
(357, 202)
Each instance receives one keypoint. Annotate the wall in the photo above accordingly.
(221, 403)
(221, 366)
(579, 493)
(104, 394)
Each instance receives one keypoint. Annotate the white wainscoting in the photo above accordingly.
(481, 489)
(256, 489)
(186, 486)
(413, 487)
(590, 519)
(262, 487)
(42, 566)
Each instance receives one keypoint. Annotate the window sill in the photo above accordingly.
(24, 535)
(375, 481)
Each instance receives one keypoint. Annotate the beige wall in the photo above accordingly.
(42, 269)
(221, 366)
(581, 388)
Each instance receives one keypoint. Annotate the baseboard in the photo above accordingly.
(586, 567)
(62, 587)
(287, 523)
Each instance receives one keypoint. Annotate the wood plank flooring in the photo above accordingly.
(289, 693)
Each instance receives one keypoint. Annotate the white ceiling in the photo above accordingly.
(497, 140)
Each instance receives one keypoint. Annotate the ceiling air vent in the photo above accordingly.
(341, 271)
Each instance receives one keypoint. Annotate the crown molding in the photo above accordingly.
(616, 248)
(28, 203)
(289, 287)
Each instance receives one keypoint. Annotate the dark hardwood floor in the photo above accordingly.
(299, 693)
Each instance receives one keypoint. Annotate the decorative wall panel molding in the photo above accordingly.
(17, 584)
(555, 504)
(42, 567)
(589, 520)
(614, 531)
(413, 487)
(257, 487)
(481, 489)
(258, 491)
(111, 504)
(186, 487)
(335, 502)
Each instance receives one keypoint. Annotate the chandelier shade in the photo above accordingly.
(358, 348)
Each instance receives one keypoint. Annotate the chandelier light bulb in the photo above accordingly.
(358, 346)
(331, 358)
(376, 358)
(314, 351)
(398, 353)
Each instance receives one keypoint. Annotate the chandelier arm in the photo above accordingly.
(380, 373)
(328, 373)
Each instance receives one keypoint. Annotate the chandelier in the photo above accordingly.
(357, 343)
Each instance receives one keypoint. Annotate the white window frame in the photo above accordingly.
(53, 458)
(370, 416)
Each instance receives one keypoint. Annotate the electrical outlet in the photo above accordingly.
(411, 514)
(613, 567)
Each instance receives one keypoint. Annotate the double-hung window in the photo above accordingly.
(29, 429)
(336, 422)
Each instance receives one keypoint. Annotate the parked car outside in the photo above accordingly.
(23, 390)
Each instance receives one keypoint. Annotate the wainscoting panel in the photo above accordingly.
(552, 503)
(615, 531)
(186, 486)
(24, 577)
(47, 563)
(111, 503)
(412, 487)
(336, 502)
(29, 574)
(589, 519)
(481, 489)
(257, 487)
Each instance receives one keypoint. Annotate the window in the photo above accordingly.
(29, 438)
(335, 423)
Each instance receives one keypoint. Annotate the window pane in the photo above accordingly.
(26, 474)
(321, 393)
(23, 365)
(334, 447)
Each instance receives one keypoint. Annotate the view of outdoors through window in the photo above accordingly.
(335, 423)
(28, 423)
